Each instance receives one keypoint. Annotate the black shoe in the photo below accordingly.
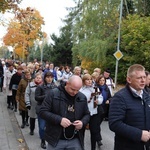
(11, 107)
(23, 125)
(99, 143)
(15, 110)
(43, 145)
(31, 132)
(27, 124)
(8, 106)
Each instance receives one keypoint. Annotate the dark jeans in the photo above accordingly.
(73, 144)
(41, 123)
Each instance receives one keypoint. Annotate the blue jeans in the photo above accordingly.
(41, 123)
(73, 144)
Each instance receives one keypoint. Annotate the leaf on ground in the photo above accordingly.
(20, 140)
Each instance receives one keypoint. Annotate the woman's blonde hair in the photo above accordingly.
(26, 71)
(85, 77)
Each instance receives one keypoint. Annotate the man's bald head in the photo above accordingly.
(73, 85)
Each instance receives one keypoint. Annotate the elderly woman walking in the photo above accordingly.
(20, 97)
(30, 100)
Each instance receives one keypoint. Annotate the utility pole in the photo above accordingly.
(118, 53)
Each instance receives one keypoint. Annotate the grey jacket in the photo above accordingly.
(30, 99)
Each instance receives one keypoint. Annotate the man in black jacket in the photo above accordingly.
(66, 113)
(129, 114)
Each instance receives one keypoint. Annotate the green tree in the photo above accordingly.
(135, 40)
(61, 53)
(95, 34)
(140, 7)
(94, 31)
(47, 50)
(3, 52)
(35, 52)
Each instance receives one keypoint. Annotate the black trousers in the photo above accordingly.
(24, 115)
(32, 124)
(95, 130)
(1, 83)
(9, 100)
(14, 103)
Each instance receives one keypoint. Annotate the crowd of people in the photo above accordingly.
(68, 101)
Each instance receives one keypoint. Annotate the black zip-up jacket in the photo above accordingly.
(54, 108)
(129, 114)
(15, 79)
(40, 93)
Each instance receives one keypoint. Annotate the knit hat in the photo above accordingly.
(107, 70)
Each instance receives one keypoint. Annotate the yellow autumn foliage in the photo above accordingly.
(23, 30)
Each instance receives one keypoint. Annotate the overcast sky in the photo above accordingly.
(52, 11)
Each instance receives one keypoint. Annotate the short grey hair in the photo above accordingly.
(133, 68)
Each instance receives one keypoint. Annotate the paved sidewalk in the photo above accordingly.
(9, 130)
(33, 141)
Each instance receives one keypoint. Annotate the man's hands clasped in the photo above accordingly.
(66, 123)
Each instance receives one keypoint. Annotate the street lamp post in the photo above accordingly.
(41, 54)
(41, 49)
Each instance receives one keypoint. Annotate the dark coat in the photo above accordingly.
(40, 94)
(15, 79)
(105, 93)
(54, 108)
(129, 114)
(1, 70)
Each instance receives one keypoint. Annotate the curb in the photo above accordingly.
(17, 131)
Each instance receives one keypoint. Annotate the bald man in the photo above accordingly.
(66, 113)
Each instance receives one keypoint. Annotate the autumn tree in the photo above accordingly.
(23, 29)
(9, 5)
